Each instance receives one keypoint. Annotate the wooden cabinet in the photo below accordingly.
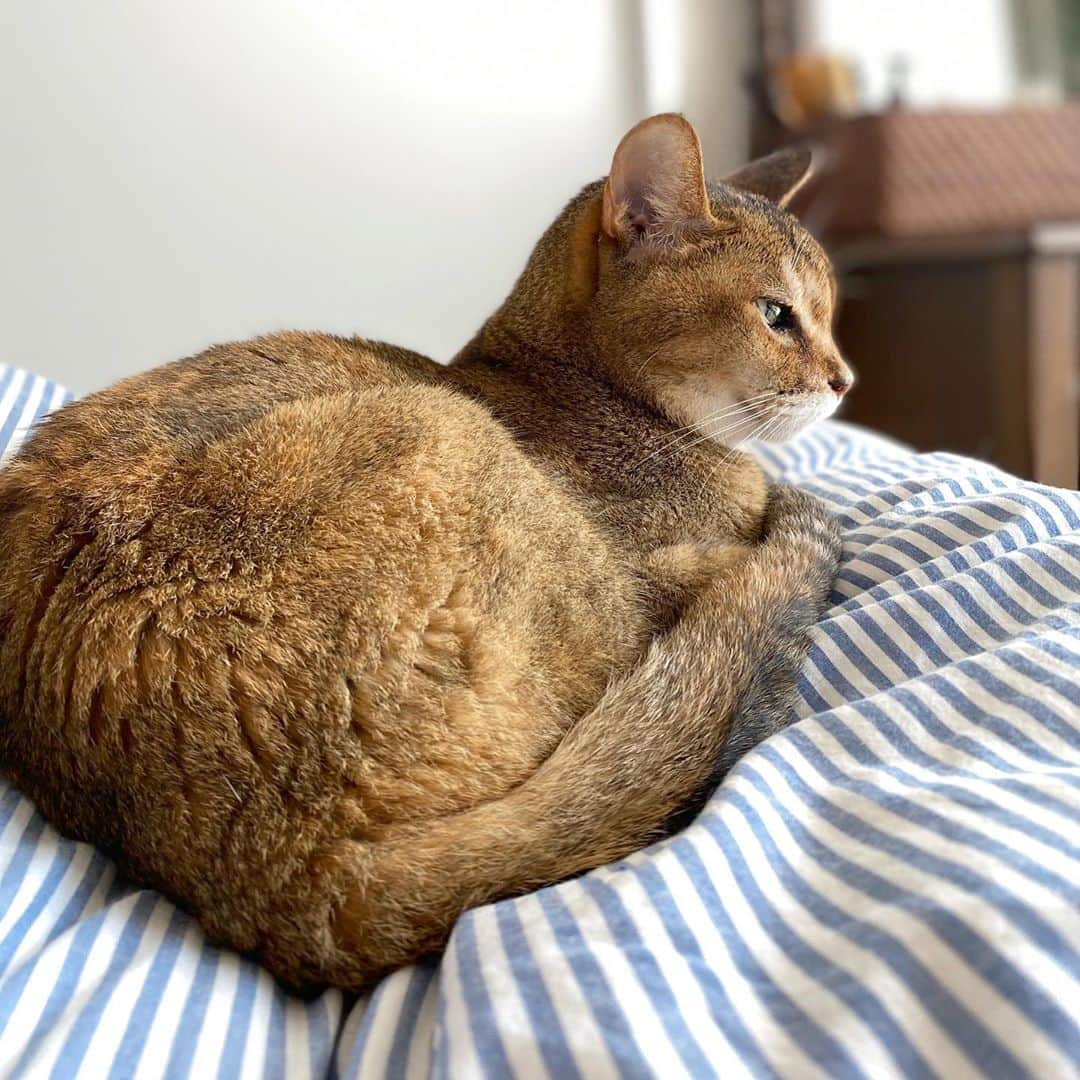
(970, 344)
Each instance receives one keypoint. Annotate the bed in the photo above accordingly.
(889, 887)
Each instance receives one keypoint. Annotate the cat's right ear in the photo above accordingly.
(657, 185)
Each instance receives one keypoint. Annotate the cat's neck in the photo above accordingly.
(643, 483)
(536, 362)
(558, 402)
(546, 312)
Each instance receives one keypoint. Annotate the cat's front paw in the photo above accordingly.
(801, 527)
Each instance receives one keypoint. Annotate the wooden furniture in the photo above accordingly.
(969, 343)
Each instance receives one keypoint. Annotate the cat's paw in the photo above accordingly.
(792, 514)
(800, 525)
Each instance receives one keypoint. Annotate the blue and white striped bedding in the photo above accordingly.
(890, 887)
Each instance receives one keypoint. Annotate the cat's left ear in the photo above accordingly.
(777, 176)
(656, 186)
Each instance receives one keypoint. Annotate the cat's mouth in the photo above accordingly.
(774, 416)
(792, 413)
(767, 416)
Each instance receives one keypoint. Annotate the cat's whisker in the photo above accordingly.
(747, 417)
(762, 413)
(648, 360)
(770, 429)
(732, 451)
(679, 433)
(715, 435)
(735, 407)
(762, 430)
(747, 407)
(725, 459)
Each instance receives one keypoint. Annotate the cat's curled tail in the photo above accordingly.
(651, 742)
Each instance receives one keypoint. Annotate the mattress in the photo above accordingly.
(889, 887)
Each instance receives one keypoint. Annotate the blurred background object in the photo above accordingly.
(175, 175)
(948, 195)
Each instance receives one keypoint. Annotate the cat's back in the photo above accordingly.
(187, 467)
(239, 609)
(152, 532)
(177, 410)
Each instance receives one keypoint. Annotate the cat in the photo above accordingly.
(330, 643)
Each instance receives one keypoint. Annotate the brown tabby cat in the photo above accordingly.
(330, 643)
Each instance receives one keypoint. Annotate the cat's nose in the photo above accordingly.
(840, 384)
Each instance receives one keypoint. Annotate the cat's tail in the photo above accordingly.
(652, 741)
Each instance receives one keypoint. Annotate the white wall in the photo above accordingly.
(174, 174)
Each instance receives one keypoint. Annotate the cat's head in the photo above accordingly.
(711, 298)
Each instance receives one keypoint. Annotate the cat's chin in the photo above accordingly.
(793, 416)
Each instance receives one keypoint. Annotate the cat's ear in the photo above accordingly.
(777, 176)
(656, 186)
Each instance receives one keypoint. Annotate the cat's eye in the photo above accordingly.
(775, 314)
